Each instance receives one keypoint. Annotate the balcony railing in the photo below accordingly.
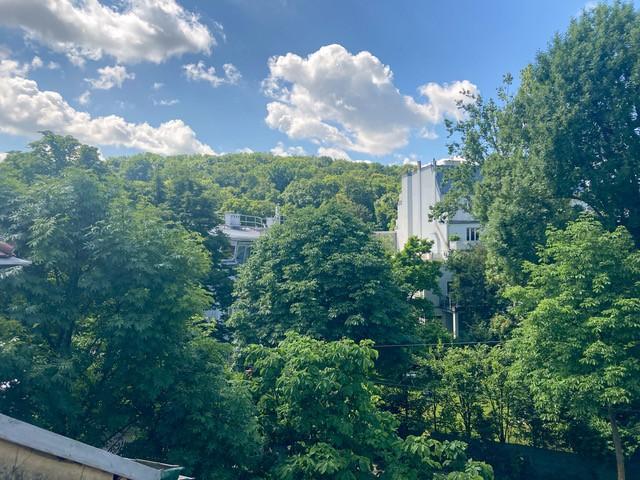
(238, 220)
(461, 244)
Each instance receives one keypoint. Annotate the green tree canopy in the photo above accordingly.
(416, 274)
(475, 295)
(100, 335)
(580, 331)
(569, 135)
(320, 414)
(321, 274)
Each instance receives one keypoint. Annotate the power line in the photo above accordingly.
(446, 344)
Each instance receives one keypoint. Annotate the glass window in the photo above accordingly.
(242, 253)
(473, 234)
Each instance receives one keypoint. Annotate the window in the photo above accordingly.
(473, 234)
(242, 253)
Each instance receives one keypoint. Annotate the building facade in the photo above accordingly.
(28, 452)
(421, 190)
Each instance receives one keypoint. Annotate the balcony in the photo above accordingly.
(462, 244)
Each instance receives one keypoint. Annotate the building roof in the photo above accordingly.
(7, 257)
(13, 262)
(41, 440)
(241, 233)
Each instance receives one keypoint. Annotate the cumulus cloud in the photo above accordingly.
(131, 30)
(200, 73)
(345, 101)
(244, 150)
(281, 151)
(333, 153)
(109, 77)
(11, 67)
(157, 85)
(3, 155)
(25, 110)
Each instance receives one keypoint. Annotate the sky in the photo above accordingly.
(369, 80)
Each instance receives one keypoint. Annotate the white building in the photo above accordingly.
(242, 231)
(421, 190)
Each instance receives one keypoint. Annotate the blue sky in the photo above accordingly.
(102, 76)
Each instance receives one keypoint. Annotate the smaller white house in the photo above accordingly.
(242, 231)
(421, 190)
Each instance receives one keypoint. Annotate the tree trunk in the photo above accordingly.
(617, 443)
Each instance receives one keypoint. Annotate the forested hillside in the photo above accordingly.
(254, 183)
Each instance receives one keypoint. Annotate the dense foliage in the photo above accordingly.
(591, 356)
(320, 413)
(322, 274)
(103, 338)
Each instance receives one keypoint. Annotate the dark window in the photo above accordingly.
(473, 234)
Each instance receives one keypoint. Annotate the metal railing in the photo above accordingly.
(239, 220)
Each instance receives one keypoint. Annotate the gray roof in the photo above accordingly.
(42, 440)
(241, 234)
(13, 262)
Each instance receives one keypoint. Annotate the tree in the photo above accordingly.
(568, 136)
(99, 338)
(321, 274)
(310, 192)
(462, 373)
(475, 296)
(50, 155)
(502, 389)
(320, 415)
(580, 314)
(580, 100)
(502, 184)
(417, 275)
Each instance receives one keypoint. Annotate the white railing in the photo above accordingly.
(462, 244)
(238, 220)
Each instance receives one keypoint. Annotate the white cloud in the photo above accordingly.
(25, 110)
(166, 102)
(84, 98)
(588, 7)
(199, 73)
(333, 153)
(340, 100)
(244, 150)
(281, 151)
(109, 77)
(131, 30)
(36, 62)
(3, 155)
(411, 159)
(157, 85)
(10, 67)
(53, 66)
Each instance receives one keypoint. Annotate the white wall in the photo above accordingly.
(420, 192)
